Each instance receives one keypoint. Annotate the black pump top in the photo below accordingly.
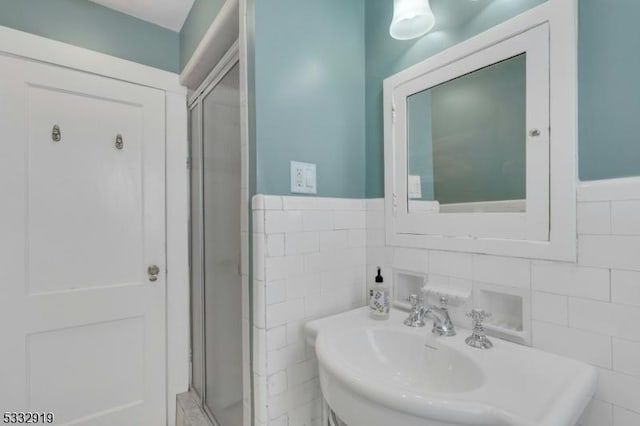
(379, 278)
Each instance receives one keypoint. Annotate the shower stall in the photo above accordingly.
(215, 246)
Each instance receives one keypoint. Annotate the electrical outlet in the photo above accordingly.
(414, 187)
(303, 178)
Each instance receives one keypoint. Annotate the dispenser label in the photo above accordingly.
(379, 301)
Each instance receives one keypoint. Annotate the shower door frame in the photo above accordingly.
(196, 99)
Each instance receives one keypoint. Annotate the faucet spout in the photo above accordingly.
(442, 324)
(416, 314)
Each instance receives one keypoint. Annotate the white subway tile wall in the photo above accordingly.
(588, 310)
(309, 262)
(625, 288)
(314, 257)
(622, 417)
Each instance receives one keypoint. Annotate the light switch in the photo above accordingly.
(303, 178)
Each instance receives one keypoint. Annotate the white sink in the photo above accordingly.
(402, 358)
(382, 373)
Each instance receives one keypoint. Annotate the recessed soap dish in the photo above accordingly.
(408, 283)
(455, 297)
(405, 284)
(510, 310)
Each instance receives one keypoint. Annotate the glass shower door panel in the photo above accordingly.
(223, 315)
(195, 255)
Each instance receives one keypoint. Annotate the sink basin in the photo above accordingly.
(381, 373)
(403, 359)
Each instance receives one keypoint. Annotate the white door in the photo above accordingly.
(82, 326)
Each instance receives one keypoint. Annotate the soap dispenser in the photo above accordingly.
(379, 299)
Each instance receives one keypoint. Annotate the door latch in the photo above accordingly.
(119, 142)
(153, 271)
(56, 135)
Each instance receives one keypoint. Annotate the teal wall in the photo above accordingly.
(309, 93)
(386, 56)
(89, 25)
(196, 25)
(609, 91)
(609, 88)
(310, 101)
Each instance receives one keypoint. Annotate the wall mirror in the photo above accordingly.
(470, 162)
(467, 142)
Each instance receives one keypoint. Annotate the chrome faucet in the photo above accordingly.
(442, 324)
(478, 338)
(416, 313)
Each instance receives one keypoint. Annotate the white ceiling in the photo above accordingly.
(166, 13)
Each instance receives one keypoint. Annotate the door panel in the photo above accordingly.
(223, 283)
(83, 327)
(84, 165)
(216, 285)
(115, 346)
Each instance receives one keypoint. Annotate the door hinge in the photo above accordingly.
(188, 163)
(393, 114)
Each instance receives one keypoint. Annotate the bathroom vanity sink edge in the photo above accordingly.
(466, 408)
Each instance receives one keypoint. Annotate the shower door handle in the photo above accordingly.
(153, 271)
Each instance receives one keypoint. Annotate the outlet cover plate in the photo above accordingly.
(303, 178)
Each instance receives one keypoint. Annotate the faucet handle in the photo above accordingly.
(416, 313)
(415, 301)
(478, 338)
(478, 316)
(444, 300)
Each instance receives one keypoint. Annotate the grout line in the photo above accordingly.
(610, 286)
(612, 359)
(626, 409)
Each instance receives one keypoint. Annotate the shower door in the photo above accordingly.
(216, 314)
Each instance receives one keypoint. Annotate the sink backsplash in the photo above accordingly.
(315, 257)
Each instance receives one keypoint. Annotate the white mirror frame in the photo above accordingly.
(548, 229)
(533, 223)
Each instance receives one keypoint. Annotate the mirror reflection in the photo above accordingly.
(467, 142)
